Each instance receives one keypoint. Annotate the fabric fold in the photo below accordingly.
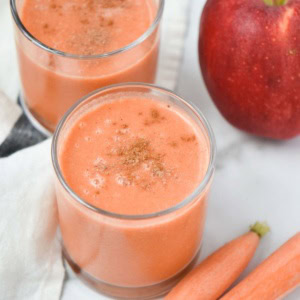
(30, 254)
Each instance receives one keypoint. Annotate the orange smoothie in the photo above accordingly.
(130, 155)
(134, 156)
(82, 30)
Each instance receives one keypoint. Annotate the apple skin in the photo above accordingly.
(249, 56)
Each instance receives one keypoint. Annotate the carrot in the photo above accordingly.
(276, 276)
(216, 273)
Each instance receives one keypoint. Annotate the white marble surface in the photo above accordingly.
(256, 179)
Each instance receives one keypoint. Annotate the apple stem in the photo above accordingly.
(275, 2)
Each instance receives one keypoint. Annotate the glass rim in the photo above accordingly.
(43, 46)
(197, 191)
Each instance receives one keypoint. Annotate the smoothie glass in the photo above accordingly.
(52, 80)
(131, 256)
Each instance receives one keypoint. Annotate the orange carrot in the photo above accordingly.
(216, 273)
(276, 276)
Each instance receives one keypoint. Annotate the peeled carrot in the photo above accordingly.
(275, 277)
(210, 279)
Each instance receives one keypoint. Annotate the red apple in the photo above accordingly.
(249, 53)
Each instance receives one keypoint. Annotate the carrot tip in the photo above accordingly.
(260, 229)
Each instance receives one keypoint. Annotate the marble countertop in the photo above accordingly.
(256, 179)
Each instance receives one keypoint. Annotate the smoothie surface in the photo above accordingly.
(87, 27)
(134, 155)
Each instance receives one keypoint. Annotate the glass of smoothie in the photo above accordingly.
(134, 164)
(66, 49)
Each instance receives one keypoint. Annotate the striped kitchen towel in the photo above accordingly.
(16, 131)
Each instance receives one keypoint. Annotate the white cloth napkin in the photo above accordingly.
(30, 255)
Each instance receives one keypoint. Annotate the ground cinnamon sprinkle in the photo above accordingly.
(92, 40)
(137, 163)
(155, 118)
(104, 21)
(112, 3)
(85, 21)
(90, 5)
(154, 114)
(88, 41)
(137, 154)
(188, 138)
(55, 6)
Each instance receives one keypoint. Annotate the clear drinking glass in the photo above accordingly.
(52, 80)
(131, 256)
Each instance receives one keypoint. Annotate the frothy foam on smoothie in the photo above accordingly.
(141, 155)
(87, 27)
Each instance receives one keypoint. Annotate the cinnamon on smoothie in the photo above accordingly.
(51, 83)
(138, 159)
